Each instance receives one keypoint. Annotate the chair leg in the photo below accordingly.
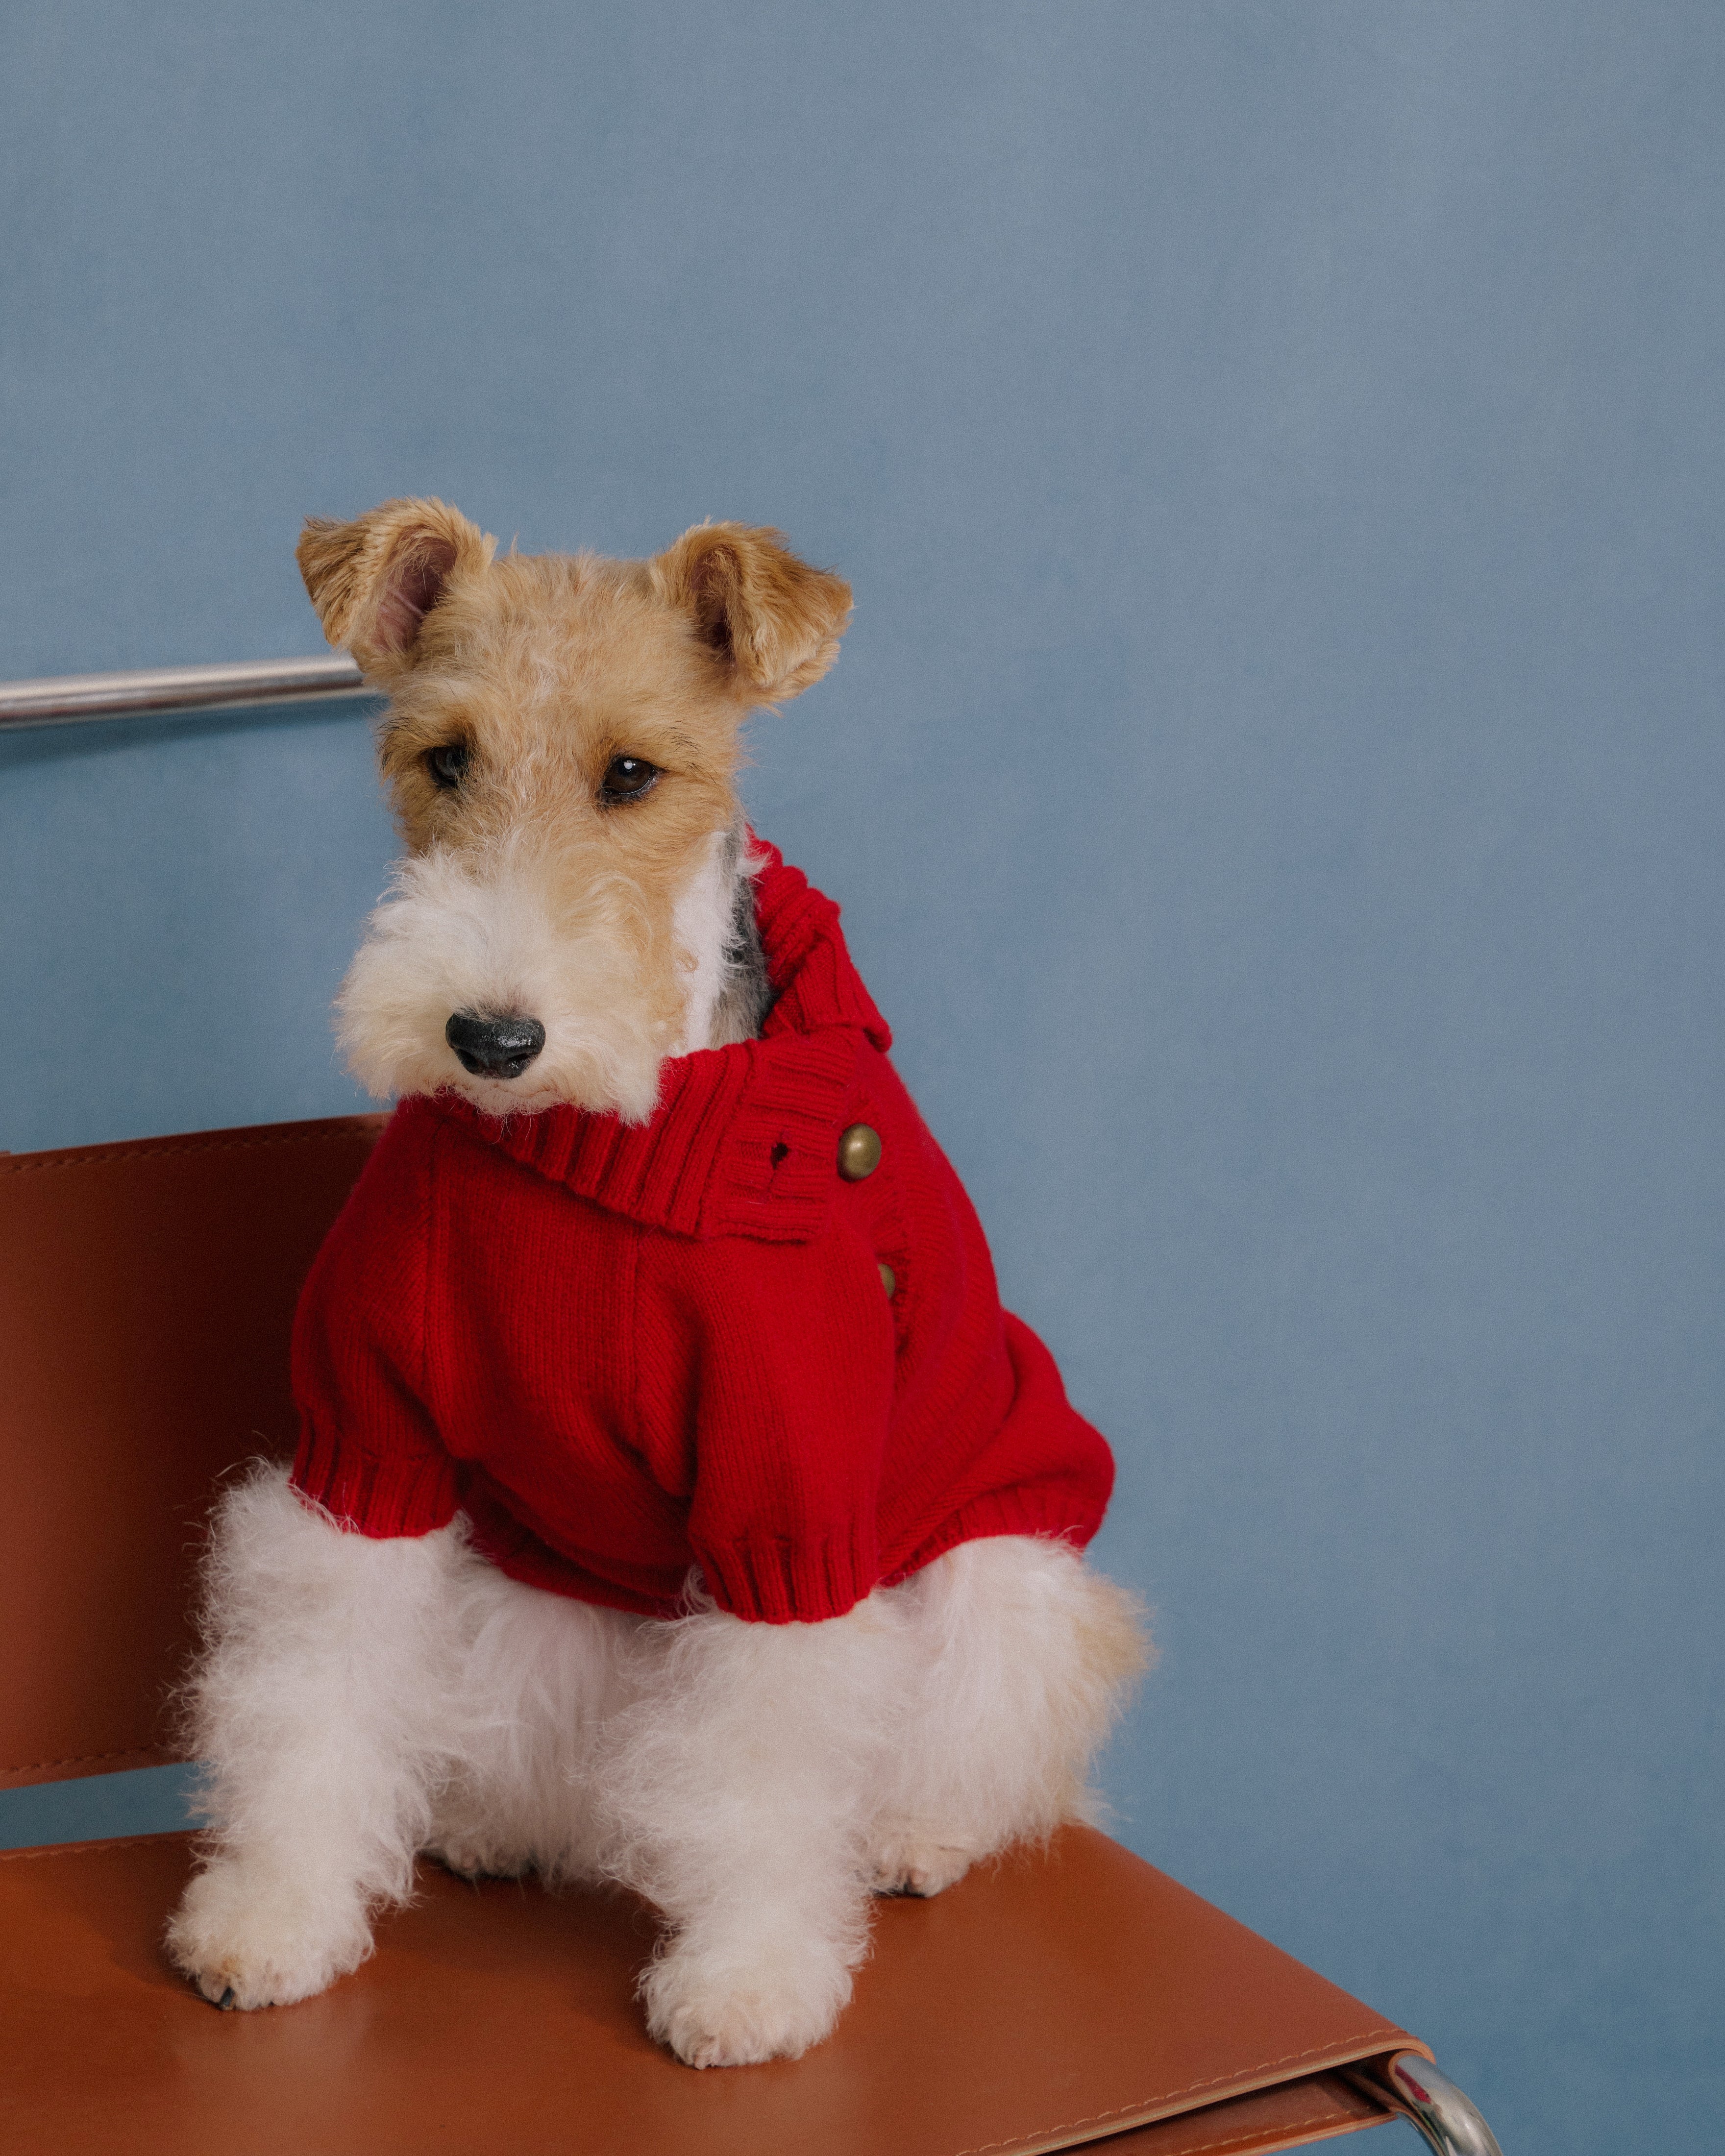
(1443, 2114)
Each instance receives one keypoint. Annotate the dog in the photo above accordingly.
(675, 1506)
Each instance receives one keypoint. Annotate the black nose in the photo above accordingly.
(495, 1047)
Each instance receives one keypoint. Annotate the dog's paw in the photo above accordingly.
(247, 1941)
(717, 2009)
(906, 1862)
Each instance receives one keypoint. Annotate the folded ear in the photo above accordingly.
(374, 581)
(770, 617)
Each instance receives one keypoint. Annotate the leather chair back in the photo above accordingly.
(147, 1294)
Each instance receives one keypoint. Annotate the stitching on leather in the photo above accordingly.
(159, 1148)
(73, 1848)
(1286, 2126)
(1162, 2095)
(83, 1759)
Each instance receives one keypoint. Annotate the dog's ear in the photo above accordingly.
(374, 581)
(773, 620)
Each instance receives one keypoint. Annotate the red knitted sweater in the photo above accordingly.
(628, 1352)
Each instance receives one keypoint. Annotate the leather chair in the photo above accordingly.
(1061, 1999)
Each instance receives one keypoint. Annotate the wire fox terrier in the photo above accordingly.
(581, 924)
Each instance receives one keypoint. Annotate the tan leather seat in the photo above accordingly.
(1060, 1998)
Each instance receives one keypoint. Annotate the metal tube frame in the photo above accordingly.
(173, 691)
(1415, 2089)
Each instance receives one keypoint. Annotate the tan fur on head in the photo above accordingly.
(528, 891)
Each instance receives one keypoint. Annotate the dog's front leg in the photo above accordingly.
(737, 1786)
(315, 1707)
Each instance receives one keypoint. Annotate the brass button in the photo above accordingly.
(859, 1152)
(889, 1280)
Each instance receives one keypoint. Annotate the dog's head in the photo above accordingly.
(561, 744)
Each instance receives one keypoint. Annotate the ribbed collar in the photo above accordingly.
(744, 1140)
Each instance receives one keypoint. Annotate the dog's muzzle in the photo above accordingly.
(494, 1047)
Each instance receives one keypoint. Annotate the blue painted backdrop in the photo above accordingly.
(1274, 782)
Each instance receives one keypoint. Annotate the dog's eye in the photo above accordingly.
(627, 778)
(447, 763)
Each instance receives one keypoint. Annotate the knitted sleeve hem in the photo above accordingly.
(1054, 1513)
(411, 1495)
(774, 1582)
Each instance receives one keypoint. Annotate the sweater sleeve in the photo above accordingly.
(369, 1450)
(764, 1385)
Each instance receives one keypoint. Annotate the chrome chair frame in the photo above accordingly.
(1446, 2115)
(177, 691)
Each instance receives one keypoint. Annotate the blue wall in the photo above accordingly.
(1274, 781)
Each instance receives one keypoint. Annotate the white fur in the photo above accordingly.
(702, 923)
(501, 933)
(362, 1701)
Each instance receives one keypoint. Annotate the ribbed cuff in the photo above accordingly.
(413, 1495)
(776, 1581)
(1054, 1512)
